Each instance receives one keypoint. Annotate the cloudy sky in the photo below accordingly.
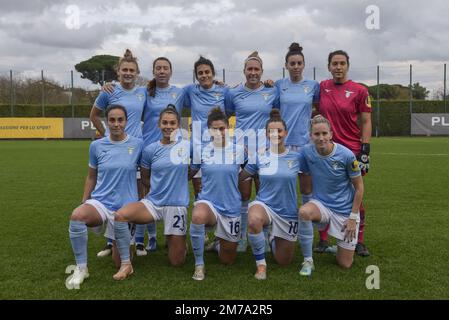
(55, 35)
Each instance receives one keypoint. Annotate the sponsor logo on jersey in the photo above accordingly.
(327, 90)
(217, 96)
(348, 93)
(307, 89)
(130, 150)
(140, 96)
(174, 95)
(290, 163)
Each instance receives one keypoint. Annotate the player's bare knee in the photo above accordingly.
(77, 215)
(227, 260)
(345, 263)
(255, 224)
(197, 218)
(120, 216)
(178, 260)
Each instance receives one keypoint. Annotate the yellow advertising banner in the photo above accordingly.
(24, 128)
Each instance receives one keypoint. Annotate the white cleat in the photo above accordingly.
(261, 273)
(107, 251)
(199, 273)
(78, 277)
(307, 268)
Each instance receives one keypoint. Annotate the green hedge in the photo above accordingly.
(394, 116)
(53, 111)
(393, 119)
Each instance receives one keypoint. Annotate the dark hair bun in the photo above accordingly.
(295, 47)
(128, 54)
(275, 113)
(216, 111)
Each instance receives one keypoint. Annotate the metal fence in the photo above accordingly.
(49, 88)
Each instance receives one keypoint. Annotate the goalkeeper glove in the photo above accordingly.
(364, 158)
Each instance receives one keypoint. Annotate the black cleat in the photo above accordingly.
(361, 250)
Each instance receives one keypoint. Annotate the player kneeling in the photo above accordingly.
(337, 188)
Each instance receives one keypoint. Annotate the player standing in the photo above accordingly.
(160, 93)
(297, 96)
(251, 102)
(201, 98)
(347, 106)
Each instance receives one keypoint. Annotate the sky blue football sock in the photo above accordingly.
(152, 231)
(140, 233)
(197, 238)
(257, 242)
(306, 238)
(123, 240)
(78, 238)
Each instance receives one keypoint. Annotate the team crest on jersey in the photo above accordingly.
(180, 152)
(355, 165)
(290, 163)
(217, 96)
(335, 165)
(307, 89)
(265, 96)
(174, 95)
(140, 96)
(130, 150)
(327, 90)
(348, 93)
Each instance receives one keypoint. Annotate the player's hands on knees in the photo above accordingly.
(350, 228)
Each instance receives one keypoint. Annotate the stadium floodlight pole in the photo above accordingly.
(224, 75)
(378, 101)
(444, 91)
(43, 93)
(314, 73)
(283, 72)
(193, 76)
(102, 77)
(11, 93)
(71, 93)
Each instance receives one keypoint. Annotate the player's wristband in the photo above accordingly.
(365, 148)
(354, 216)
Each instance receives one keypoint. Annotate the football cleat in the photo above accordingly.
(199, 273)
(261, 273)
(361, 250)
(307, 268)
(107, 250)
(152, 244)
(140, 250)
(125, 271)
(78, 276)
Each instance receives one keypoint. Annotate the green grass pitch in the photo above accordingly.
(406, 196)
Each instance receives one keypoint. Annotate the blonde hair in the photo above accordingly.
(319, 119)
(254, 56)
(127, 57)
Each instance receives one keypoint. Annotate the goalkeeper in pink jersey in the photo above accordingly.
(347, 106)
